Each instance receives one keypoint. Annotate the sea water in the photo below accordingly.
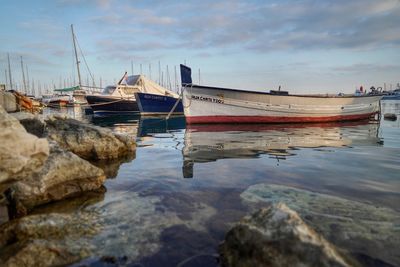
(172, 203)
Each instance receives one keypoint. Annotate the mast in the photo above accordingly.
(9, 71)
(150, 71)
(175, 80)
(27, 77)
(159, 72)
(76, 57)
(5, 72)
(23, 76)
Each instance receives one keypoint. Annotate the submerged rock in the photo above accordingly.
(63, 175)
(366, 231)
(277, 236)
(47, 240)
(89, 141)
(21, 153)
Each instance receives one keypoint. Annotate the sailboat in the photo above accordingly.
(78, 94)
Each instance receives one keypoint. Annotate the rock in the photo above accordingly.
(20, 152)
(89, 141)
(360, 228)
(47, 240)
(63, 175)
(32, 123)
(8, 101)
(277, 236)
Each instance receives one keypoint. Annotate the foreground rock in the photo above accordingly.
(276, 236)
(46, 240)
(33, 124)
(63, 175)
(368, 232)
(89, 141)
(20, 152)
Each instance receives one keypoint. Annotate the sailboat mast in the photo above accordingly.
(9, 71)
(76, 56)
(5, 72)
(23, 75)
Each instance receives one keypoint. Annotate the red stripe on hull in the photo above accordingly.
(269, 119)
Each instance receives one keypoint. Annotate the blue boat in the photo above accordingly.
(153, 104)
(103, 105)
(393, 95)
(121, 100)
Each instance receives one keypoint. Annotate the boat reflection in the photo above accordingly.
(127, 124)
(205, 143)
(154, 125)
(140, 126)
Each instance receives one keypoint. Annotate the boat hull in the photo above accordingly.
(152, 104)
(391, 97)
(107, 105)
(219, 105)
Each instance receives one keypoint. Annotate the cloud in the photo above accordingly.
(102, 4)
(264, 27)
(368, 68)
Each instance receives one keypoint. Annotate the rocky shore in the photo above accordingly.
(45, 160)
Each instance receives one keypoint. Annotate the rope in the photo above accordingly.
(173, 108)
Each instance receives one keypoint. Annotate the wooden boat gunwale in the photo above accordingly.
(268, 93)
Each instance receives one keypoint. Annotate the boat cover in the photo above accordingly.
(147, 86)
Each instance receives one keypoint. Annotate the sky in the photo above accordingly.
(305, 46)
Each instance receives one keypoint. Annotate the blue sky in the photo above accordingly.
(307, 46)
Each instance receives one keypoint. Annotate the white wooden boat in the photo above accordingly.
(205, 104)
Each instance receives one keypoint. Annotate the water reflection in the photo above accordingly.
(140, 126)
(393, 107)
(154, 125)
(205, 143)
(111, 167)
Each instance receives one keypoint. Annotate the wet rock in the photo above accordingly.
(46, 240)
(360, 228)
(277, 236)
(89, 141)
(20, 152)
(32, 123)
(63, 175)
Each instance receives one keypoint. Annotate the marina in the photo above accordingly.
(200, 134)
(196, 188)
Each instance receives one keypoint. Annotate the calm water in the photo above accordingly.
(172, 204)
